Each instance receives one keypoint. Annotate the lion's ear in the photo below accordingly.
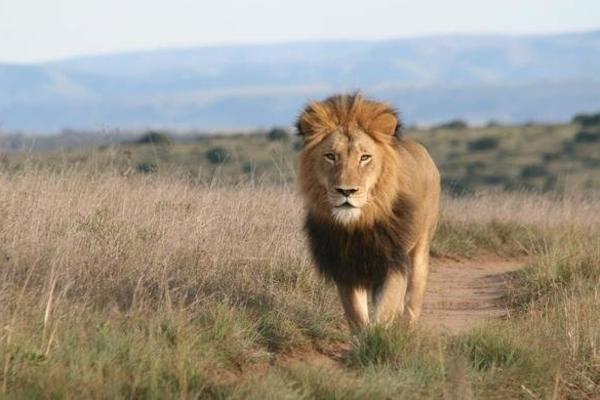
(303, 124)
(387, 123)
(312, 120)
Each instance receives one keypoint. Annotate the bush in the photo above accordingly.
(474, 167)
(533, 171)
(277, 134)
(217, 155)
(457, 187)
(587, 137)
(494, 179)
(568, 147)
(548, 157)
(483, 144)
(454, 124)
(247, 167)
(298, 145)
(587, 119)
(147, 167)
(154, 137)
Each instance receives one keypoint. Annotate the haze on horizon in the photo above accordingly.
(33, 31)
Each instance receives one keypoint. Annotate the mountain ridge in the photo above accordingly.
(546, 78)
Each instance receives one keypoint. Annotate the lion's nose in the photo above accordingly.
(346, 192)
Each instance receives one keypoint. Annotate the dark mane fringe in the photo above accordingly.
(362, 257)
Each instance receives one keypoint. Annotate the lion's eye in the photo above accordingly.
(365, 157)
(330, 157)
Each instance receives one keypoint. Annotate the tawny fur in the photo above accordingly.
(398, 189)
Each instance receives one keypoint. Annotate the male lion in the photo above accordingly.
(372, 200)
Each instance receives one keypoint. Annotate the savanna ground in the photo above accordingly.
(126, 282)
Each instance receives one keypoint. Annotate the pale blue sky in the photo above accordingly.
(35, 30)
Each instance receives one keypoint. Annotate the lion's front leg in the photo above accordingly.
(417, 282)
(388, 298)
(354, 301)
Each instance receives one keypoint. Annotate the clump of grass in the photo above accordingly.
(499, 346)
(415, 355)
(568, 261)
(379, 346)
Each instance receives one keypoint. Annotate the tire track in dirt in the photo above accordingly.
(461, 295)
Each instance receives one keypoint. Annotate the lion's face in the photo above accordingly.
(349, 163)
(347, 166)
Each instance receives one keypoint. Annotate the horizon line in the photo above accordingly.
(267, 43)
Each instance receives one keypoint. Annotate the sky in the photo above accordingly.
(42, 30)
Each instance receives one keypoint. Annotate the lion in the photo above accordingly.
(372, 202)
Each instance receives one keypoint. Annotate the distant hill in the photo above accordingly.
(430, 79)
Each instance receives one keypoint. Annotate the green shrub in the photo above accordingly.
(248, 167)
(494, 179)
(154, 137)
(298, 145)
(454, 124)
(550, 183)
(533, 171)
(474, 167)
(587, 137)
(278, 134)
(147, 167)
(217, 155)
(457, 187)
(547, 157)
(483, 144)
(587, 119)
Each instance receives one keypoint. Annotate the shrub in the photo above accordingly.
(454, 124)
(494, 179)
(483, 144)
(587, 137)
(533, 171)
(154, 137)
(587, 119)
(473, 167)
(217, 155)
(547, 157)
(568, 147)
(147, 167)
(278, 134)
(457, 187)
(550, 183)
(247, 167)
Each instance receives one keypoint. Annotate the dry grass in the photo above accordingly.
(156, 287)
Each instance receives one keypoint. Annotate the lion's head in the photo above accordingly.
(349, 165)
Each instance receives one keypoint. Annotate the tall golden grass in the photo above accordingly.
(158, 287)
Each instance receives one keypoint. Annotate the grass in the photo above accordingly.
(162, 286)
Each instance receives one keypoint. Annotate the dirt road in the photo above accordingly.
(462, 294)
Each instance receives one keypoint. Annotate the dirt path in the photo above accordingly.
(462, 294)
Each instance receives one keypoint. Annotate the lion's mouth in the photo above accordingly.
(346, 204)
